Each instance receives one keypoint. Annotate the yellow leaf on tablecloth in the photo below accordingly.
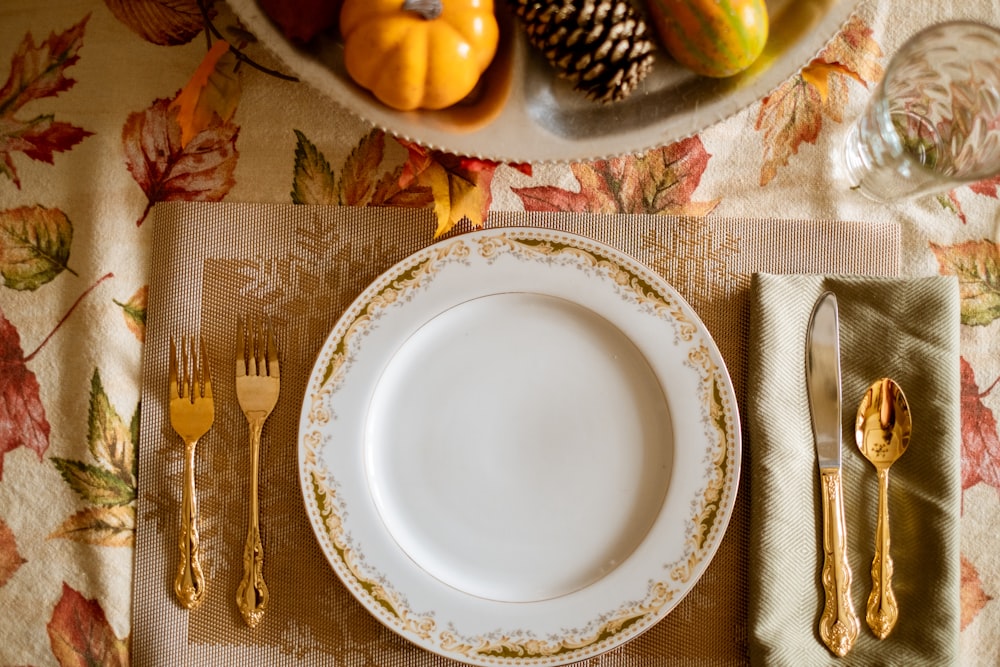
(212, 92)
(793, 113)
(102, 526)
(134, 312)
(818, 73)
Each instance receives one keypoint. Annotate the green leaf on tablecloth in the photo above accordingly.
(314, 181)
(793, 113)
(79, 633)
(977, 265)
(662, 181)
(108, 436)
(162, 22)
(10, 559)
(95, 485)
(134, 312)
(36, 72)
(34, 246)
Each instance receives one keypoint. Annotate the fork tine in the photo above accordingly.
(206, 373)
(174, 389)
(273, 369)
(241, 360)
(185, 371)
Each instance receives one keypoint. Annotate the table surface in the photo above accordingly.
(87, 100)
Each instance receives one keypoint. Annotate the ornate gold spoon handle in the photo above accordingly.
(882, 608)
(190, 582)
(838, 624)
(882, 431)
(251, 596)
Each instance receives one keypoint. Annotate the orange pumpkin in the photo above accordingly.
(418, 54)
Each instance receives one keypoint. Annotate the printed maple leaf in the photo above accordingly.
(364, 178)
(36, 72)
(459, 186)
(988, 187)
(22, 416)
(660, 181)
(793, 114)
(34, 246)
(977, 265)
(162, 22)
(974, 598)
(10, 559)
(134, 312)
(79, 633)
(980, 441)
(109, 488)
(168, 170)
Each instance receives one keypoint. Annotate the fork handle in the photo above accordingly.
(251, 596)
(190, 582)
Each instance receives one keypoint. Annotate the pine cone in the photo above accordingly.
(601, 46)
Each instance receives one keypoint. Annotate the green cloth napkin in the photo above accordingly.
(907, 329)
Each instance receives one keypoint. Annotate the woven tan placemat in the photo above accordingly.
(301, 267)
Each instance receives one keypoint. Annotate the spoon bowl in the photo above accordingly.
(882, 432)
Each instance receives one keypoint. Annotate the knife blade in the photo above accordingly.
(838, 623)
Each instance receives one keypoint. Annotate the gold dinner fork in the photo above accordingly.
(192, 412)
(257, 385)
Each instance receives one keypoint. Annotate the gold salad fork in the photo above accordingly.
(257, 385)
(192, 412)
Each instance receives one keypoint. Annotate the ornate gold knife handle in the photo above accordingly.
(882, 608)
(190, 582)
(838, 624)
(252, 596)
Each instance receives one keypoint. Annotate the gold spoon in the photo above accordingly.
(882, 430)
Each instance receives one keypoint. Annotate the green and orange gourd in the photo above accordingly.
(715, 38)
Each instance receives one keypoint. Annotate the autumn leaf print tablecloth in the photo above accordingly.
(94, 135)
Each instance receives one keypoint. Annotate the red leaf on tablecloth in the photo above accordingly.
(210, 95)
(988, 187)
(660, 181)
(10, 559)
(36, 72)
(80, 635)
(163, 22)
(977, 265)
(166, 170)
(793, 114)
(980, 441)
(22, 416)
(974, 598)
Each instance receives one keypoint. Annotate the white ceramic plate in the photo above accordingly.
(518, 447)
(524, 113)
